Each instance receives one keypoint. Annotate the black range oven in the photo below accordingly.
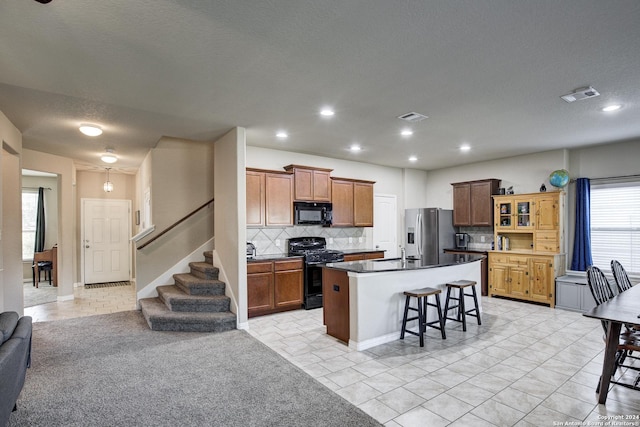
(316, 255)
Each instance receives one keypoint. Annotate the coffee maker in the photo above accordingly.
(462, 241)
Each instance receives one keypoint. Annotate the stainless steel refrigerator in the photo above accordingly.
(427, 232)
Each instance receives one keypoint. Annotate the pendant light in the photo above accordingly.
(108, 185)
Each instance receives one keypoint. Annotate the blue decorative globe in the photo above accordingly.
(559, 178)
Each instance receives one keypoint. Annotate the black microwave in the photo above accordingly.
(312, 213)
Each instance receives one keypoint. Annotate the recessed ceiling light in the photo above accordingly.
(413, 159)
(282, 134)
(90, 130)
(327, 112)
(406, 132)
(465, 148)
(108, 156)
(355, 148)
(610, 108)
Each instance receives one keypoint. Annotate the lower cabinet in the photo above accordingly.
(274, 286)
(525, 277)
(363, 256)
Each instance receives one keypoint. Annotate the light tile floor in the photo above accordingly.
(86, 302)
(526, 365)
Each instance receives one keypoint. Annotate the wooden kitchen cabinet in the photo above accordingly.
(269, 198)
(361, 256)
(274, 286)
(472, 202)
(310, 183)
(335, 293)
(255, 198)
(342, 201)
(352, 202)
(363, 204)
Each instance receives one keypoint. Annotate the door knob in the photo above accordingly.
(87, 246)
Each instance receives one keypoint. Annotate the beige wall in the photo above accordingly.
(11, 297)
(230, 217)
(66, 171)
(181, 180)
(50, 214)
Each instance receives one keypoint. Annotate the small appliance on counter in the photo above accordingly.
(251, 250)
(462, 241)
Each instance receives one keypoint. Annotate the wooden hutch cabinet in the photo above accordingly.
(528, 243)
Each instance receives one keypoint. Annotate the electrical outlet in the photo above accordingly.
(360, 239)
(277, 242)
(482, 239)
(350, 239)
(331, 240)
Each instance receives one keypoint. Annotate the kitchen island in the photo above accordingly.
(364, 300)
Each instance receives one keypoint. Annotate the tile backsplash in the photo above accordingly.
(475, 237)
(273, 241)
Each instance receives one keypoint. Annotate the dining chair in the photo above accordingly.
(620, 276)
(629, 340)
(42, 261)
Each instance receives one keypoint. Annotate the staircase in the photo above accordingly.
(195, 303)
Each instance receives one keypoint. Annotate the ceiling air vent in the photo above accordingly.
(580, 94)
(413, 117)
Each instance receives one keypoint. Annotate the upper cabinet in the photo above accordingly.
(269, 198)
(472, 203)
(352, 202)
(311, 184)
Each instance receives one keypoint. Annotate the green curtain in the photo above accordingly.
(40, 222)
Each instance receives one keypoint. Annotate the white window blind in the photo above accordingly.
(615, 226)
(29, 219)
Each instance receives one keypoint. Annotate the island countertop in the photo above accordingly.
(397, 264)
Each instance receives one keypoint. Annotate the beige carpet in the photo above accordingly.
(43, 294)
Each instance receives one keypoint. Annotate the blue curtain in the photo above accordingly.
(582, 239)
(40, 223)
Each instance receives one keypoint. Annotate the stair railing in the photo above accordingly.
(175, 224)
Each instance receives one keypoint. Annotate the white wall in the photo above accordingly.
(230, 218)
(524, 173)
(11, 298)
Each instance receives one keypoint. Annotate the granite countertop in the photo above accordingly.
(471, 251)
(273, 257)
(396, 264)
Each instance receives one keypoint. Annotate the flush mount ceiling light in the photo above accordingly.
(413, 159)
(108, 156)
(580, 94)
(465, 147)
(108, 185)
(90, 130)
(327, 112)
(406, 132)
(282, 134)
(355, 148)
(611, 108)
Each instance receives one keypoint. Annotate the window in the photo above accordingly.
(29, 217)
(615, 225)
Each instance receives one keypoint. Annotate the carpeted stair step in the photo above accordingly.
(177, 300)
(160, 318)
(204, 270)
(208, 257)
(193, 285)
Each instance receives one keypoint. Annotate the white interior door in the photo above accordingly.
(106, 231)
(385, 224)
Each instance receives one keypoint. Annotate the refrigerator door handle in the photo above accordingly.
(419, 235)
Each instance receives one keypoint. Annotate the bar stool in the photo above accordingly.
(422, 295)
(460, 285)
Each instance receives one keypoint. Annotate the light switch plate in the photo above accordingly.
(277, 242)
(350, 239)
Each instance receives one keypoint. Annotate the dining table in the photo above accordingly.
(623, 308)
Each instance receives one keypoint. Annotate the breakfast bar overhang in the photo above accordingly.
(364, 300)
